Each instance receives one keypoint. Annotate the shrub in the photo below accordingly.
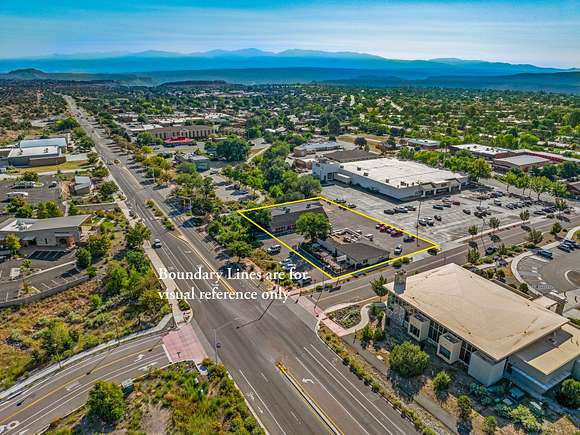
(106, 402)
(569, 394)
(441, 381)
(524, 417)
(464, 405)
(408, 359)
(489, 425)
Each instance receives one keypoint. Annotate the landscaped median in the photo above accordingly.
(177, 399)
(368, 375)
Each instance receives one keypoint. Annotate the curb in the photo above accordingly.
(16, 389)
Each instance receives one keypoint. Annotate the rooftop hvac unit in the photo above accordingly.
(359, 169)
(386, 180)
(366, 174)
(46, 150)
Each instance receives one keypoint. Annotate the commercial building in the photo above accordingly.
(523, 162)
(425, 144)
(355, 254)
(487, 328)
(483, 151)
(82, 185)
(351, 156)
(32, 156)
(60, 142)
(312, 148)
(188, 131)
(399, 179)
(59, 232)
(284, 217)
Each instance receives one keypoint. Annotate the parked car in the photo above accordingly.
(274, 249)
(411, 207)
(389, 211)
(408, 238)
(490, 250)
(564, 247)
(398, 250)
(438, 207)
(569, 243)
(437, 217)
(401, 210)
(455, 202)
(545, 253)
(422, 221)
(430, 221)
(466, 211)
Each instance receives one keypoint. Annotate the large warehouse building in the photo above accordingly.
(399, 179)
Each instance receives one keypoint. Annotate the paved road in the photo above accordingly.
(360, 290)
(254, 335)
(560, 274)
(58, 395)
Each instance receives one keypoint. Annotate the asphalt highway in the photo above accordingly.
(37, 406)
(255, 335)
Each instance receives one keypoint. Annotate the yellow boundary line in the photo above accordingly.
(322, 198)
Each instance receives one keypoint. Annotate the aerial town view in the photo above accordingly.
(311, 217)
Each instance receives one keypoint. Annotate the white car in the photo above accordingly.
(398, 250)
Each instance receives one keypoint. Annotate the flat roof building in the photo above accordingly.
(483, 151)
(59, 142)
(399, 179)
(523, 162)
(35, 156)
(493, 331)
(82, 185)
(60, 232)
(314, 147)
(426, 144)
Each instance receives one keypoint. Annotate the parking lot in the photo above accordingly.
(454, 220)
(35, 194)
(348, 227)
(561, 273)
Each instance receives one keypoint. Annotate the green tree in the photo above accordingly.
(12, 242)
(313, 226)
(524, 215)
(489, 425)
(494, 223)
(56, 339)
(116, 280)
(136, 235)
(108, 188)
(366, 333)
(479, 168)
(360, 142)
(473, 230)
(92, 157)
(30, 176)
(535, 236)
(106, 402)
(524, 417)
(408, 359)
(473, 256)
(84, 258)
(574, 118)
(569, 394)
(98, 245)
(239, 249)
(233, 148)
(52, 209)
(556, 228)
(441, 381)
(378, 286)
(25, 211)
(73, 210)
(41, 212)
(465, 406)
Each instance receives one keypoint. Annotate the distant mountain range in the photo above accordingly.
(253, 66)
(253, 58)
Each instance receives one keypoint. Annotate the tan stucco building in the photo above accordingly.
(491, 330)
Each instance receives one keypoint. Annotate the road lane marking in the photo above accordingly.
(331, 395)
(354, 386)
(261, 400)
(331, 425)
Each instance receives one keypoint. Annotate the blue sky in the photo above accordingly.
(545, 33)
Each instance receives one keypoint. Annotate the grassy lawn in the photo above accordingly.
(176, 399)
(66, 166)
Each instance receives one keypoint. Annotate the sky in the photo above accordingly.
(544, 33)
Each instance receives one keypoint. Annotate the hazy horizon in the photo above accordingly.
(543, 33)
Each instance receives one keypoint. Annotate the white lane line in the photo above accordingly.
(261, 400)
(84, 389)
(330, 394)
(352, 385)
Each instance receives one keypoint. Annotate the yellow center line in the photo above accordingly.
(55, 390)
